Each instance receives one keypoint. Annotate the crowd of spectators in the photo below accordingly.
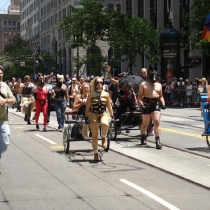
(183, 92)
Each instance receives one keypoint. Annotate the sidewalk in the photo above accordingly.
(188, 166)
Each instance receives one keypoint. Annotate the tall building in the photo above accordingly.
(160, 12)
(9, 24)
(40, 27)
(40, 21)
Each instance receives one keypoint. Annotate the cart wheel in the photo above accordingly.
(66, 139)
(106, 149)
(208, 132)
(113, 130)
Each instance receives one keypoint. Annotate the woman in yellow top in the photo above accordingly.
(97, 102)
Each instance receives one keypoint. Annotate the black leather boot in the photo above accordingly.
(143, 139)
(28, 122)
(26, 117)
(158, 144)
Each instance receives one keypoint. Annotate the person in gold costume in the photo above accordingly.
(97, 102)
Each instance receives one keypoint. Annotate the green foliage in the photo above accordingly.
(84, 27)
(131, 35)
(128, 35)
(194, 25)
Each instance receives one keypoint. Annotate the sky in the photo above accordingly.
(4, 6)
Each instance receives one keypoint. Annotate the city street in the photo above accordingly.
(37, 174)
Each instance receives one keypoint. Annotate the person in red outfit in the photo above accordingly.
(42, 92)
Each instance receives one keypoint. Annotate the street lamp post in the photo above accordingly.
(34, 63)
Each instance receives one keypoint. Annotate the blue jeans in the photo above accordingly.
(4, 137)
(60, 108)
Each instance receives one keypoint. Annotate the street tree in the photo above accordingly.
(194, 25)
(130, 36)
(15, 52)
(83, 28)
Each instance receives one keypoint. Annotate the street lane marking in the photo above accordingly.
(56, 147)
(149, 194)
(42, 137)
(183, 133)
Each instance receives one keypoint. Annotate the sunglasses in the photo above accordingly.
(99, 83)
(143, 72)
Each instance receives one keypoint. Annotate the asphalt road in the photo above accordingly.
(37, 174)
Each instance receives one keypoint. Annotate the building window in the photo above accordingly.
(10, 33)
(118, 8)
(64, 12)
(55, 18)
(5, 33)
(5, 39)
(10, 40)
(110, 7)
(59, 16)
(5, 24)
(68, 10)
(129, 7)
(153, 12)
(141, 8)
(14, 33)
(166, 13)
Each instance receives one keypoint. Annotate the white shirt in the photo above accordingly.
(189, 90)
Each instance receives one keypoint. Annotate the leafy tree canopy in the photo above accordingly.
(194, 25)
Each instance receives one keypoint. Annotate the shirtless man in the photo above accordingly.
(150, 93)
(73, 91)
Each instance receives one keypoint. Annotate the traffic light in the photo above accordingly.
(36, 63)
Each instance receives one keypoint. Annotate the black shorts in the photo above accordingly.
(150, 109)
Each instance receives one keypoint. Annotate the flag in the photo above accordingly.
(206, 31)
(41, 61)
(205, 34)
(207, 23)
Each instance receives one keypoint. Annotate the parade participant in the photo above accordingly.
(73, 90)
(12, 88)
(6, 97)
(27, 100)
(42, 92)
(97, 102)
(149, 96)
(50, 99)
(144, 74)
(80, 100)
(67, 81)
(60, 93)
(18, 95)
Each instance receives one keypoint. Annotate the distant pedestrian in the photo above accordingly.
(60, 100)
(6, 97)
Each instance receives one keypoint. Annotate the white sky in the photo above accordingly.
(4, 6)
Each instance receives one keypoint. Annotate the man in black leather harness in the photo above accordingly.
(150, 94)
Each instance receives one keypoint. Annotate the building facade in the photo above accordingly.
(40, 21)
(9, 28)
(40, 27)
(160, 12)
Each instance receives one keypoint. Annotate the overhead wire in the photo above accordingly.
(5, 5)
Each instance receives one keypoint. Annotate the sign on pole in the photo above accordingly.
(22, 63)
